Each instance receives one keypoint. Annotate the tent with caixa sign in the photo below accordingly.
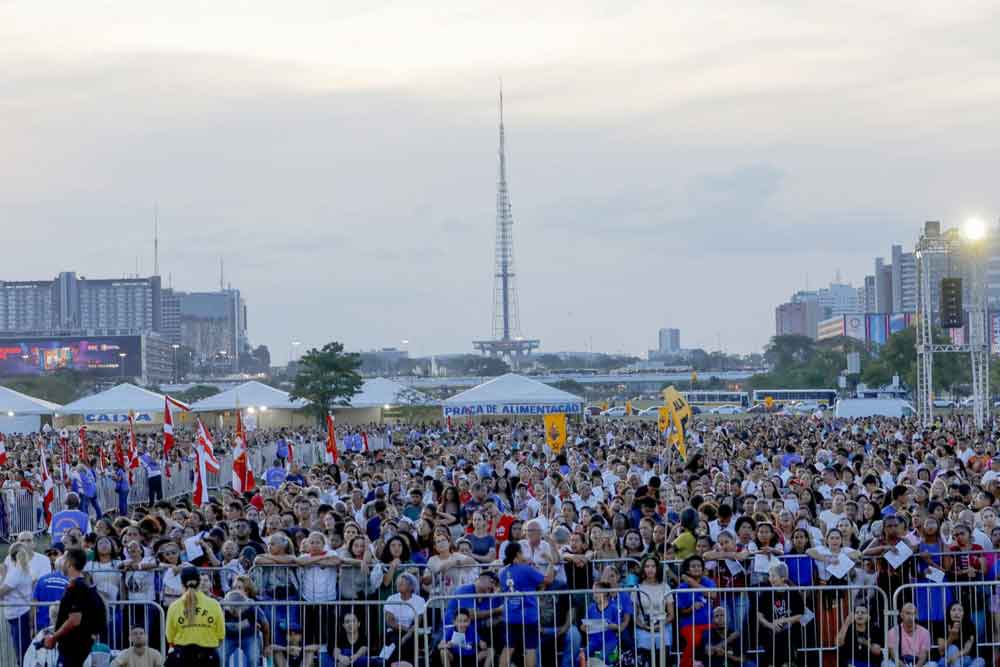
(20, 413)
(511, 396)
(109, 410)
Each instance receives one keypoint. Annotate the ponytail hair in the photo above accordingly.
(190, 598)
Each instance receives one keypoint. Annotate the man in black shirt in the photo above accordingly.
(81, 614)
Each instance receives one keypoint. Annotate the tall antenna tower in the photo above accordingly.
(507, 341)
(156, 239)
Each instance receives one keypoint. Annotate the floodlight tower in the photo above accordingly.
(932, 247)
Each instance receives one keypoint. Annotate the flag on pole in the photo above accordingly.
(680, 412)
(168, 429)
(133, 446)
(64, 459)
(449, 423)
(205, 462)
(3, 451)
(243, 479)
(82, 435)
(119, 451)
(555, 431)
(48, 488)
(331, 440)
(291, 455)
(364, 440)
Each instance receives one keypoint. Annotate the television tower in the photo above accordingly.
(507, 341)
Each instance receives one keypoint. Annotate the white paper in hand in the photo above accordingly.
(807, 617)
(843, 565)
(192, 548)
(935, 575)
(899, 554)
(761, 563)
(387, 651)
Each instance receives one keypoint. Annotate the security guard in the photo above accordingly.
(195, 625)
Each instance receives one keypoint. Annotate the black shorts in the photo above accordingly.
(316, 620)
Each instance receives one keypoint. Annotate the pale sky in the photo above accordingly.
(670, 164)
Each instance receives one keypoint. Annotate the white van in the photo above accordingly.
(873, 407)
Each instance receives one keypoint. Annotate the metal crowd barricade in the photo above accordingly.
(297, 629)
(22, 511)
(624, 566)
(559, 628)
(121, 617)
(779, 625)
(932, 605)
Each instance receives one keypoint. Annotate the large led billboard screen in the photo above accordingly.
(97, 355)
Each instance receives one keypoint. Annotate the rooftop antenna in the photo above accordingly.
(221, 276)
(838, 276)
(156, 239)
(137, 266)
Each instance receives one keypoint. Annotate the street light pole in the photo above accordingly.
(176, 374)
(122, 355)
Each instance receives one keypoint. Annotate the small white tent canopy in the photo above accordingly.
(20, 413)
(380, 392)
(117, 400)
(22, 404)
(249, 394)
(512, 395)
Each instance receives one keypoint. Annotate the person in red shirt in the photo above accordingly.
(499, 522)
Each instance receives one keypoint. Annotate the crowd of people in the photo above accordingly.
(776, 540)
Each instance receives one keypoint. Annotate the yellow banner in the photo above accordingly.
(680, 412)
(628, 407)
(555, 431)
(664, 419)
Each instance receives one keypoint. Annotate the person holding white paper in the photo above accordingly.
(833, 560)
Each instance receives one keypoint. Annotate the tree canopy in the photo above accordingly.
(327, 377)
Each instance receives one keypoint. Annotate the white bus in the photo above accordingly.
(717, 398)
(826, 397)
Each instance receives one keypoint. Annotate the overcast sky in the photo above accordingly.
(669, 165)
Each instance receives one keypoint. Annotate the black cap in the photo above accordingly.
(190, 575)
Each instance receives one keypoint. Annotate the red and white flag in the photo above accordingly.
(291, 455)
(364, 440)
(48, 488)
(119, 451)
(82, 435)
(243, 479)
(3, 451)
(449, 423)
(205, 462)
(331, 441)
(133, 447)
(168, 429)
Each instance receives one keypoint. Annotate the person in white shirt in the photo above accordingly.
(15, 594)
(39, 563)
(832, 516)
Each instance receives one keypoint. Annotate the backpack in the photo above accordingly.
(95, 621)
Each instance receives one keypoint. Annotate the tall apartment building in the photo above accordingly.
(904, 281)
(214, 325)
(669, 341)
(71, 304)
(800, 318)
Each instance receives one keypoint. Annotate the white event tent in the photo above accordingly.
(512, 395)
(20, 413)
(262, 405)
(111, 408)
(377, 397)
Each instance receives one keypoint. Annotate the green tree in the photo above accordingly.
(786, 351)
(196, 393)
(327, 377)
(571, 386)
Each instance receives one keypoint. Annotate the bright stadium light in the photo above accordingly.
(251, 410)
(974, 229)
(263, 408)
(385, 407)
(10, 413)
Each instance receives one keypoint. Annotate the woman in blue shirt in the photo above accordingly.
(694, 614)
(603, 625)
(521, 613)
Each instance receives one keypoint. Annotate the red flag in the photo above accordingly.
(168, 435)
(82, 435)
(48, 489)
(133, 447)
(291, 456)
(205, 462)
(449, 423)
(119, 451)
(331, 440)
(3, 451)
(364, 440)
(243, 479)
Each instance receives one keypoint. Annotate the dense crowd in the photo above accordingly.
(415, 553)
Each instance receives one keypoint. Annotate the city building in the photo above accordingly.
(870, 295)
(799, 318)
(669, 341)
(904, 281)
(72, 304)
(214, 325)
(871, 328)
